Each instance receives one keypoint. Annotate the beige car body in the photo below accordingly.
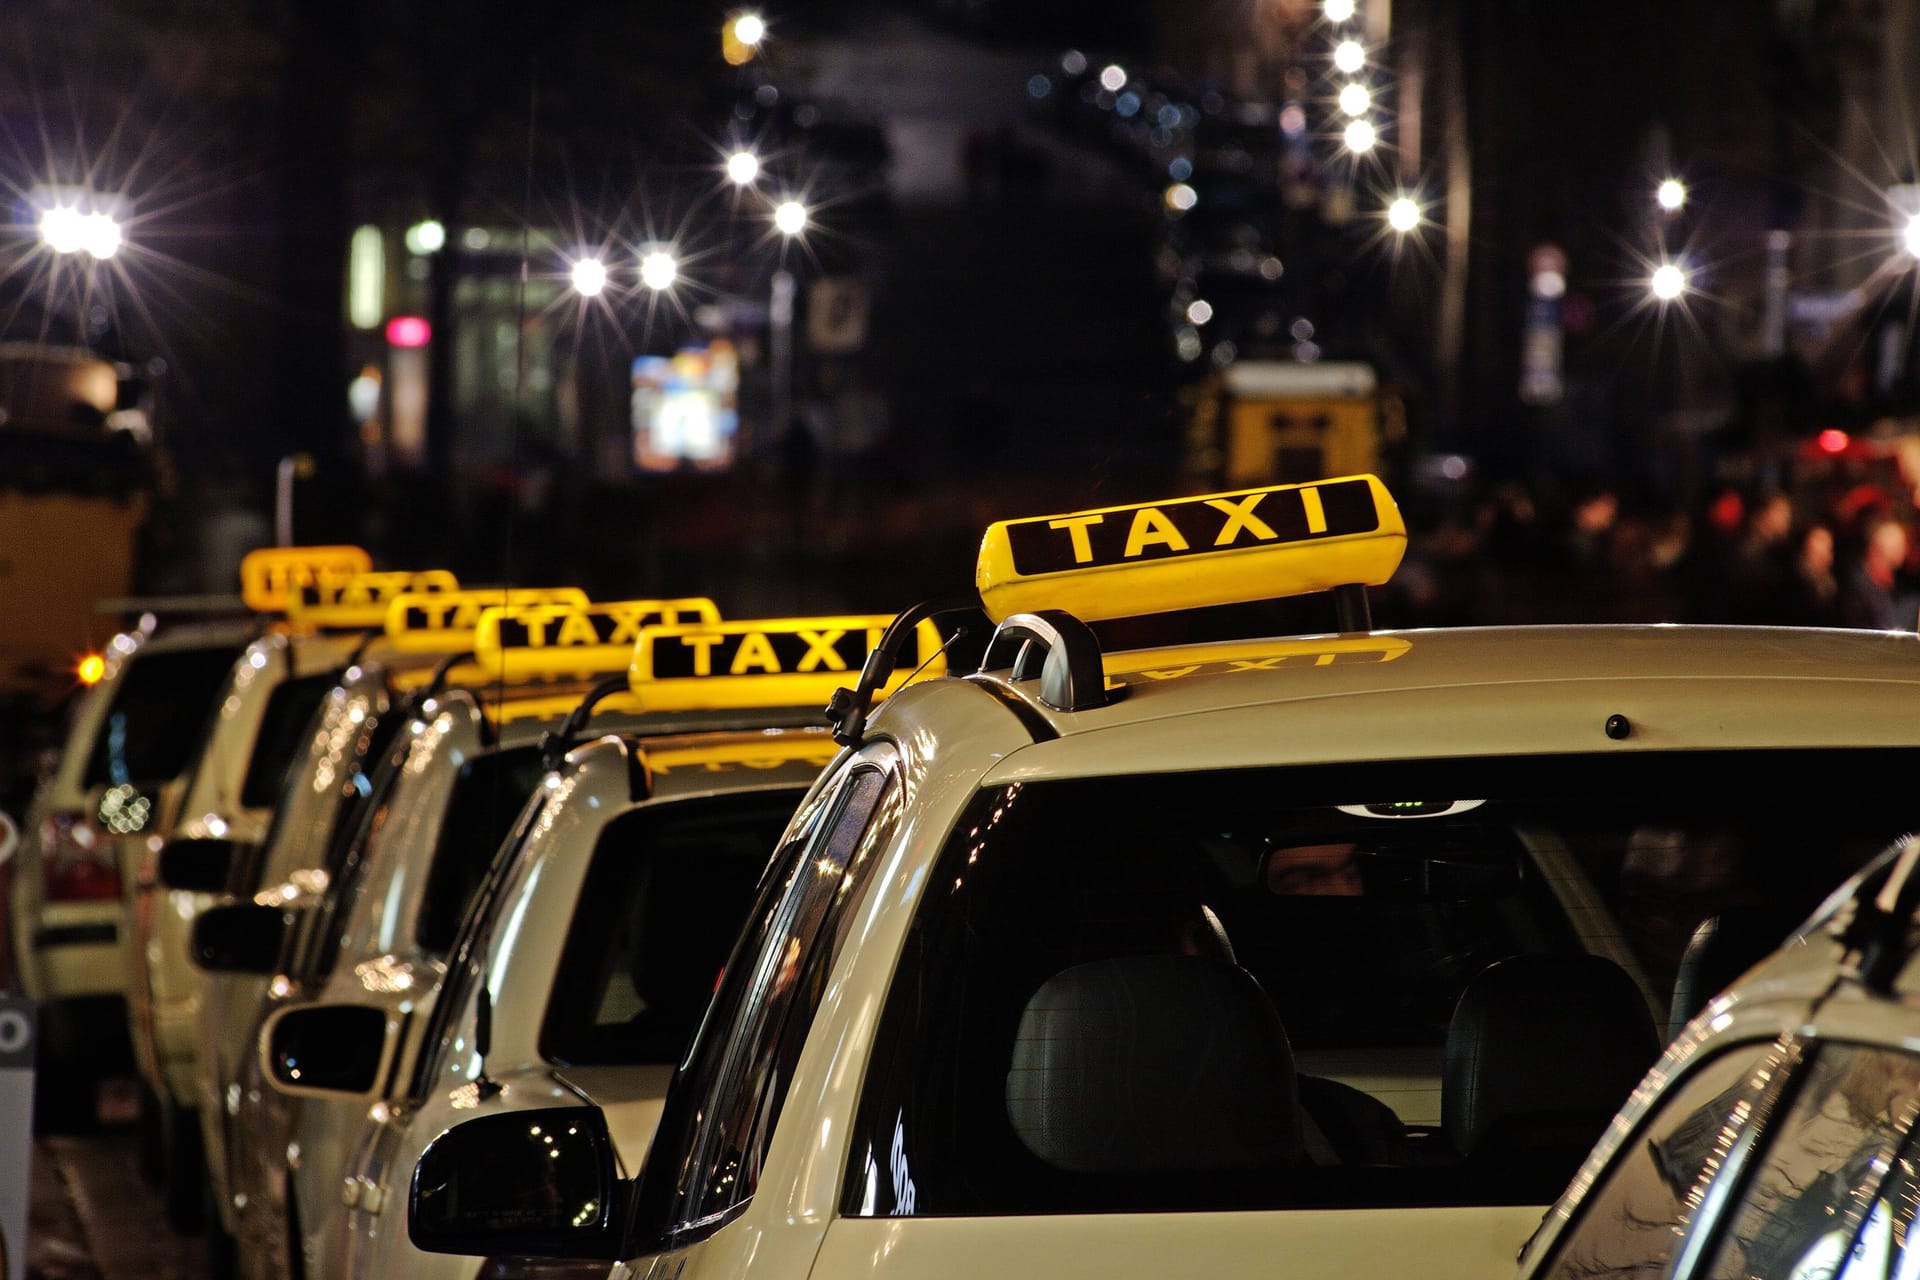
(1415, 696)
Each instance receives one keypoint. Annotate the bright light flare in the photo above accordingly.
(1113, 78)
(1669, 282)
(1354, 100)
(742, 168)
(1910, 236)
(589, 277)
(1832, 440)
(1180, 197)
(1403, 214)
(1349, 56)
(425, 238)
(658, 270)
(100, 235)
(63, 229)
(1360, 137)
(91, 669)
(1671, 195)
(1338, 10)
(749, 29)
(1199, 311)
(790, 217)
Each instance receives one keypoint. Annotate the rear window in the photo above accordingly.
(491, 791)
(283, 727)
(1390, 984)
(161, 704)
(669, 888)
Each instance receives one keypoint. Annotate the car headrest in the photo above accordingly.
(1722, 948)
(1542, 1050)
(1150, 1064)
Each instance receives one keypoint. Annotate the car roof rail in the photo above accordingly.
(1058, 649)
(555, 744)
(847, 709)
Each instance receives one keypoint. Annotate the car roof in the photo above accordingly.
(1472, 691)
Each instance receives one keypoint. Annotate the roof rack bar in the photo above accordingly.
(847, 709)
(1059, 649)
(1351, 611)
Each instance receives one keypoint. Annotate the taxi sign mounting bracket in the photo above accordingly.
(1060, 650)
(555, 745)
(1350, 609)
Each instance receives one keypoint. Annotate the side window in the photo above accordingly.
(1833, 1193)
(743, 1060)
(1629, 1223)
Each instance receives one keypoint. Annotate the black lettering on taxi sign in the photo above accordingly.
(1192, 526)
(578, 628)
(760, 653)
(365, 590)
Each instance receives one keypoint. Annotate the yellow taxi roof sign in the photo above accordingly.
(782, 662)
(268, 575)
(1187, 553)
(559, 641)
(348, 600)
(443, 621)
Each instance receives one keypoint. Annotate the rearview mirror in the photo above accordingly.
(536, 1184)
(239, 938)
(325, 1050)
(201, 866)
(9, 837)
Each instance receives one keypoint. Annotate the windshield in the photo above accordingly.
(486, 799)
(282, 730)
(158, 714)
(1364, 946)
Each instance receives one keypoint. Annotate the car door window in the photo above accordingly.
(732, 1087)
(1834, 1191)
(1629, 1225)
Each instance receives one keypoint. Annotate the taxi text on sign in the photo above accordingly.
(553, 641)
(438, 621)
(269, 575)
(1187, 553)
(782, 662)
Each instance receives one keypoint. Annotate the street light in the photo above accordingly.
(1349, 56)
(427, 237)
(1671, 194)
(589, 277)
(790, 217)
(1354, 99)
(741, 36)
(1910, 235)
(1669, 282)
(1403, 215)
(1338, 11)
(742, 168)
(62, 229)
(659, 269)
(100, 235)
(1360, 137)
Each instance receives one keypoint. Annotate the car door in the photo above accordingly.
(728, 1102)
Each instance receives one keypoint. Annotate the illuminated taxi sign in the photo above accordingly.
(561, 641)
(361, 599)
(1185, 553)
(788, 662)
(268, 576)
(438, 621)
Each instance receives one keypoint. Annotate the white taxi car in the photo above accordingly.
(597, 941)
(458, 768)
(1216, 958)
(122, 769)
(1776, 1137)
(224, 952)
(256, 727)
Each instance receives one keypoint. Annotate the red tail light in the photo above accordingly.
(77, 860)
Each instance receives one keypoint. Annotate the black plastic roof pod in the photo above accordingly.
(1059, 649)
(847, 709)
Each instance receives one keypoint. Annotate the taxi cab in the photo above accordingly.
(1776, 1136)
(254, 727)
(442, 791)
(1210, 958)
(125, 762)
(597, 939)
(222, 952)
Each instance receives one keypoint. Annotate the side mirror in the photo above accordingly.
(536, 1183)
(239, 938)
(202, 866)
(9, 837)
(326, 1050)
